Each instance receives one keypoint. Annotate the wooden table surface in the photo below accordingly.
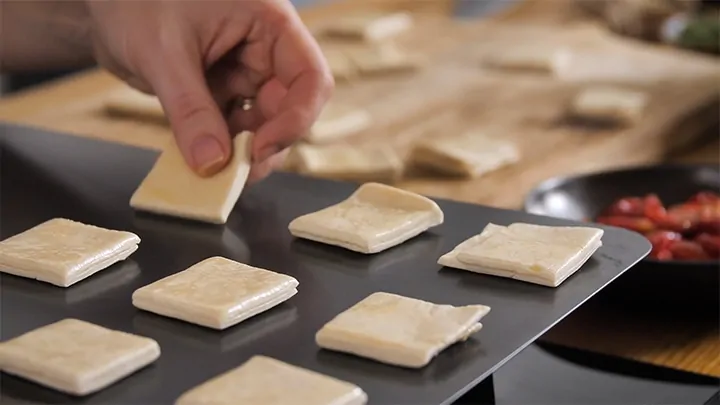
(671, 342)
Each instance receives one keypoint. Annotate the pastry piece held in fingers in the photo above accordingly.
(63, 252)
(76, 357)
(398, 330)
(336, 122)
(369, 27)
(468, 155)
(348, 162)
(216, 293)
(374, 218)
(545, 255)
(609, 104)
(537, 59)
(173, 188)
(133, 103)
(256, 382)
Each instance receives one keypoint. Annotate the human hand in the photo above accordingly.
(204, 58)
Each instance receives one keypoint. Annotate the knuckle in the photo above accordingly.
(186, 107)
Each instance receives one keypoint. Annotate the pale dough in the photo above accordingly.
(374, 218)
(172, 188)
(131, 102)
(63, 252)
(533, 253)
(469, 155)
(398, 330)
(537, 58)
(370, 27)
(609, 104)
(76, 357)
(216, 293)
(348, 162)
(337, 122)
(383, 59)
(265, 381)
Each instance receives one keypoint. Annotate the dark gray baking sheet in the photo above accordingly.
(45, 176)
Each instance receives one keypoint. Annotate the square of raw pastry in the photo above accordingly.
(130, 102)
(609, 104)
(398, 330)
(63, 252)
(216, 293)
(545, 255)
(379, 163)
(256, 382)
(336, 122)
(369, 27)
(469, 155)
(374, 218)
(536, 58)
(173, 188)
(76, 357)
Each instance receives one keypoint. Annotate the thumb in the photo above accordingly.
(199, 127)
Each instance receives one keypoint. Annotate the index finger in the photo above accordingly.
(299, 65)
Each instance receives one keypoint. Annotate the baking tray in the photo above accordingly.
(46, 175)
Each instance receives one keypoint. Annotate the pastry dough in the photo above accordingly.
(370, 27)
(398, 330)
(338, 122)
(383, 59)
(374, 218)
(216, 293)
(76, 357)
(609, 104)
(537, 254)
(468, 155)
(63, 252)
(536, 58)
(341, 66)
(172, 188)
(346, 162)
(256, 383)
(131, 102)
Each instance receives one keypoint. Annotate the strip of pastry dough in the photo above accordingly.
(131, 102)
(469, 155)
(374, 218)
(76, 357)
(338, 122)
(63, 252)
(216, 293)
(369, 27)
(172, 188)
(256, 382)
(538, 59)
(532, 253)
(398, 330)
(609, 104)
(347, 162)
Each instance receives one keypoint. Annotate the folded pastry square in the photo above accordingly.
(76, 357)
(374, 218)
(172, 188)
(256, 382)
(369, 27)
(544, 255)
(130, 102)
(336, 122)
(379, 163)
(216, 293)
(468, 155)
(609, 104)
(398, 330)
(535, 58)
(63, 252)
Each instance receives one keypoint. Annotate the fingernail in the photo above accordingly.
(208, 155)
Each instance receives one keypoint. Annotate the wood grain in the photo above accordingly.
(453, 95)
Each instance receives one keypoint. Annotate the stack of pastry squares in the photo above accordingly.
(374, 218)
(537, 254)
